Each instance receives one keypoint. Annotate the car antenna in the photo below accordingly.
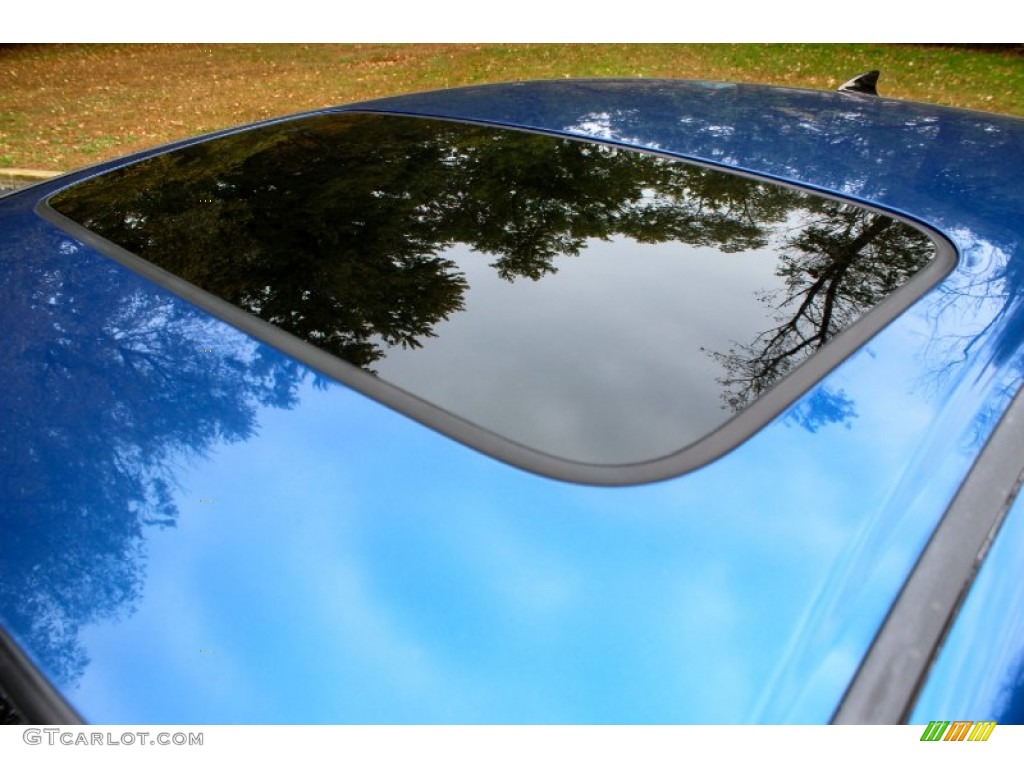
(865, 83)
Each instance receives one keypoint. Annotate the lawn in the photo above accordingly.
(65, 106)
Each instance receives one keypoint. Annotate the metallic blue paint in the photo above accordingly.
(333, 561)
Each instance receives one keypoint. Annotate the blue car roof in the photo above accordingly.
(201, 528)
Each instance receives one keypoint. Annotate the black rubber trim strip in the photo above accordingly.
(716, 444)
(891, 676)
(29, 691)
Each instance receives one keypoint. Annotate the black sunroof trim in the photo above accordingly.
(893, 673)
(28, 689)
(734, 432)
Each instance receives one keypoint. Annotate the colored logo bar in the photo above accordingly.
(958, 730)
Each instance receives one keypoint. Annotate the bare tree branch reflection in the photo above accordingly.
(841, 263)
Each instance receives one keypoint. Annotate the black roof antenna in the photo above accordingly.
(865, 83)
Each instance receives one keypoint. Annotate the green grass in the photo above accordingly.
(63, 106)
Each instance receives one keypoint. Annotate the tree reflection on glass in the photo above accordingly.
(341, 230)
(334, 228)
(842, 261)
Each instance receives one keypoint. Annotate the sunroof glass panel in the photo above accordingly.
(592, 303)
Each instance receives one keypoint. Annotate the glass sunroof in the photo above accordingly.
(592, 303)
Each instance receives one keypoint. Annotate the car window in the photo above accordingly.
(590, 302)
